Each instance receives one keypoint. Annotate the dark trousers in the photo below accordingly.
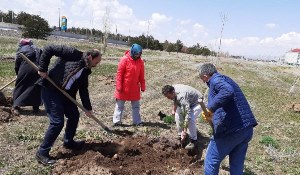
(57, 106)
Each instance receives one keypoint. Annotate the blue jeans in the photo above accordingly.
(57, 106)
(235, 145)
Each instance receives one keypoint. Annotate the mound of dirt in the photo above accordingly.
(5, 101)
(130, 155)
(5, 110)
(6, 115)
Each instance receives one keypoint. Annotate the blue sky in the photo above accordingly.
(253, 28)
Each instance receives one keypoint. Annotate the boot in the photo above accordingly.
(117, 124)
(74, 145)
(15, 110)
(35, 109)
(45, 160)
(191, 145)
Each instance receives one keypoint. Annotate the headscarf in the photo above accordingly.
(25, 41)
(135, 49)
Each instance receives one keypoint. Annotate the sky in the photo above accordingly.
(263, 29)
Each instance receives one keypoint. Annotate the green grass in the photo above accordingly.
(8, 46)
(7, 69)
(269, 141)
(169, 119)
(105, 69)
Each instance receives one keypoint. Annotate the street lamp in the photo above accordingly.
(59, 19)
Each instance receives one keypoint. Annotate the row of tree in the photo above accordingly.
(34, 26)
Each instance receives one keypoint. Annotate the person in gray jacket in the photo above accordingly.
(186, 109)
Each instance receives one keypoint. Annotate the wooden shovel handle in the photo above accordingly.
(8, 84)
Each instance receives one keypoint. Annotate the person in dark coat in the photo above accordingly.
(26, 92)
(70, 72)
(232, 118)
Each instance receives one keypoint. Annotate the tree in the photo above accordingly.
(106, 28)
(165, 44)
(179, 45)
(8, 17)
(157, 45)
(171, 47)
(23, 17)
(33, 26)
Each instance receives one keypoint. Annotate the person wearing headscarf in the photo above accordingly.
(26, 92)
(130, 82)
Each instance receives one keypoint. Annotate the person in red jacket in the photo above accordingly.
(130, 81)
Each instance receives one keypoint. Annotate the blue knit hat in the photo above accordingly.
(135, 49)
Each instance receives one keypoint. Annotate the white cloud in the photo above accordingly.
(185, 22)
(271, 25)
(198, 27)
(159, 18)
(251, 46)
(90, 13)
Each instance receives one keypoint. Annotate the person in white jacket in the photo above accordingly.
(186, 109)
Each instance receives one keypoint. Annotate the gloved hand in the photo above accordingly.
(208, 116)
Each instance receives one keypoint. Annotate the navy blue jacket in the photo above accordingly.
(68, 63)
(229, 105)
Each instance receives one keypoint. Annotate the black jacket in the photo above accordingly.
(68, 63)
(26, 93)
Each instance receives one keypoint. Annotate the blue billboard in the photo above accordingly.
(64, 23)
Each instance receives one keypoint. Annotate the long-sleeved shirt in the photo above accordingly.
(186, 98)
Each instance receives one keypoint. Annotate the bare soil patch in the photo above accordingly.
(130, 155)
(5, 109)
(294, 107)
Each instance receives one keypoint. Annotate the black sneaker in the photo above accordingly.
(117, 124)
(140, 124)
(45, 160)
(36, 110)
(75, 145)
(190, 146)
(15, 110)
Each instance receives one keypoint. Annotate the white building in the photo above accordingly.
(292, 57)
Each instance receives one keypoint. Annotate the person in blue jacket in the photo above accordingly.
(232, 118)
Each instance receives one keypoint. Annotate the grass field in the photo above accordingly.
(275, 146)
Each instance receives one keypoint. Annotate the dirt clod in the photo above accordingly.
(5, 109)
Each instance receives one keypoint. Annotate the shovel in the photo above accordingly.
(8, 84)
(2, 96)
(66, 94)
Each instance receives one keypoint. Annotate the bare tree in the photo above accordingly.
(106, 29)
(149, 21)
(223, 20)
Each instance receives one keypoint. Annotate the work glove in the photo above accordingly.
(207, 117)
